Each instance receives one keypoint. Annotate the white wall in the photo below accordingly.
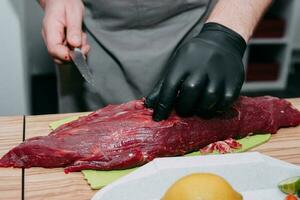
(38, 58)
(14, 93)
(22, 54)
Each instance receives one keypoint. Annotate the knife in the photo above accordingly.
(79, 60)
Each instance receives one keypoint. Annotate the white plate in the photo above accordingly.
(254, 175)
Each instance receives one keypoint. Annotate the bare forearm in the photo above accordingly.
(239, 15)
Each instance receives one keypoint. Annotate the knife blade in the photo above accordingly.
(79, 60)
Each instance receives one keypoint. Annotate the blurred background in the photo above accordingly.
(27, 73)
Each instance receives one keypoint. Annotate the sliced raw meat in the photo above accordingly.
(125, 136)
(225, 146)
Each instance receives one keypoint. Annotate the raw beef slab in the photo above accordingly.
(125, 136)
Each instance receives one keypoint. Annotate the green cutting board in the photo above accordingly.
(98, 179)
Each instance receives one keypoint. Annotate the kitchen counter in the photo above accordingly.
(53, 184)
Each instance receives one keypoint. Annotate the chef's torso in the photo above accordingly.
(132, 41)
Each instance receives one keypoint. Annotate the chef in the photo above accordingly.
(181, 54)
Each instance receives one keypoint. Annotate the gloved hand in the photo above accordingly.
(204, 76)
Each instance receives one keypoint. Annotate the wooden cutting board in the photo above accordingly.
(11, 134)
(52, 184)
(285, 145)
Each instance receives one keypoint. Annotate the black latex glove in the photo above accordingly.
(204, 76)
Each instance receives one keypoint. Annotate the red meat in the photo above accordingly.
(124, 136)
(225, 146)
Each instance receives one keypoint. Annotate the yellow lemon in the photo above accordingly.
(201, 186)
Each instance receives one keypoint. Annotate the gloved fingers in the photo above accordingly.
(167, 96)
(210, 97)
(232, 88)
(231, 93)
(152, 98)
(189, 94)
